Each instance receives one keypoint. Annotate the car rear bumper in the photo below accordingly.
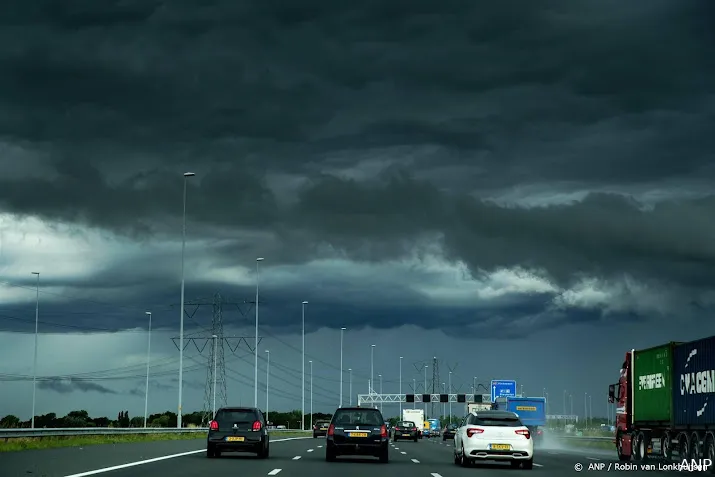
(251, 442)
(481, 451)
(448, 435)
(367, 449)
(405, 435)
(320, 433)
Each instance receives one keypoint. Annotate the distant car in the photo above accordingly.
(238, 429)
(357, 431)
(320, 429)
(406, 430)
(448, 432)
(493, 435)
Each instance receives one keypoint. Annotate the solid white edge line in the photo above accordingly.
(159, 459)
(274, 471)
(592, 458)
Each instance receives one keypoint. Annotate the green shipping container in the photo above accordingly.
(652, 374)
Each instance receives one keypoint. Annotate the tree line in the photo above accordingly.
(81, 419)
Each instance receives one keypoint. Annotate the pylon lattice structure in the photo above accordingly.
(435, 383)
(216, 350)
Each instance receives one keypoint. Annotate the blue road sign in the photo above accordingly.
(501, 388)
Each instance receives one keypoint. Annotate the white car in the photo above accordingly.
(493, 435)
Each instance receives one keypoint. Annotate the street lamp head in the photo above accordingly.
(350, 369)
(147, 312)
(311, 361)
(305, 302)
(35, 273)
(268, 351)
(189, 174)
(372, 346)
(259, 259)
(343, 328)
(214, 336)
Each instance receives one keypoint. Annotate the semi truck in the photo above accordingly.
(417, 416)
(478, 406)
(532, 413)
(662, 402)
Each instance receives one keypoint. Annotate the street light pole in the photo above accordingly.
(474, 384)
(425, 391)
(342, 330)
(380, 376)
(268, 375)
(372, 368)
(37, 328)
(414, 390)
(215, 339)
(350, 370)
(148, 357)
(400, 387)
(311, 393)
(255, 349)
(302, 399)
(448, 399)
(181, 311)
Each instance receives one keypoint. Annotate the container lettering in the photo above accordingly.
(651, 381)
(702, 382)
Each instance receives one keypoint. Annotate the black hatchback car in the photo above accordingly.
(406, 430)
(320, 428)
(238, 429)
(357, 431)
(449, 432)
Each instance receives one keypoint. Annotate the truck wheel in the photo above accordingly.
(683, 446)
(636, 447)
(695, 447)
(666, 447)
(710, 451)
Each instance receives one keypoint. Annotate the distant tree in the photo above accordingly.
(136, 421)
(10, 422)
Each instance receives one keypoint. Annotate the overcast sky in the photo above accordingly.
(522, 189)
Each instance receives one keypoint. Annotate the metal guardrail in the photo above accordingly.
(107, 431)
(582, 438)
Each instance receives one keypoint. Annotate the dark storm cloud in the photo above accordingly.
(66, 386)
(115, 101)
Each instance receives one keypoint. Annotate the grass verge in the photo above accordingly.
(31, 443)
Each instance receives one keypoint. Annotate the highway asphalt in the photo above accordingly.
(296, 457)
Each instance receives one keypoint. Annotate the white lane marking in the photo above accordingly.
(554, 453)
(403, 453)
(592, 458)
(159, 459)
(397, 448)
(415, 461)
(297, 457)
(320, 447)
(274, 471)
(310, 450)
(538, 465)
(435, 475)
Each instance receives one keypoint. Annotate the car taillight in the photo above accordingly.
(315, 427)
(414, 428)
(213, 426)
(331, 429)
(474, 430)
(539, 432)
(257, 426)
(383, 431)
(524, 432)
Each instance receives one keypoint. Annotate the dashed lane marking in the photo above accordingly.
(274, 472)
(310, 450)
(538, 465)
(403, 453)
(297, 457)
(435, 475)
(320, 447)
(415, 461)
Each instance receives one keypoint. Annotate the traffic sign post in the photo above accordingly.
(503, 388)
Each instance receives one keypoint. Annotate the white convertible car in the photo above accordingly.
(493, 435)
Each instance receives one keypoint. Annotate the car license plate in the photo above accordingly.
(358, 434)
(323, 428)
(499, 446)
(235, 439)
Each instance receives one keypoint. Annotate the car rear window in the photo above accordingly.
(322, 423)
(406, 424)
(239, 416)
(358, 417)
(495, 421)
